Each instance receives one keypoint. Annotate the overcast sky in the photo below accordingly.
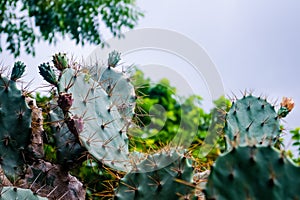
(254, 44)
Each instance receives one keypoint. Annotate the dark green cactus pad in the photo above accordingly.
(69, 150)
(253, 173)
(15, 123)
(173, 181)
(251, 120)
(14, 193)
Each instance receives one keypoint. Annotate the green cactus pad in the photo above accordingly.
(163, 182)
(13, 193)
(69, 150)
(117, 85)
(15, 123)
(253, 173)
(251, 120)
(103, 134)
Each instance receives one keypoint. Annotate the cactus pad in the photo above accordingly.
(253, 173)
(103, 133)
(162, 182)
(13, 193)
(251, 120)
(15, 123)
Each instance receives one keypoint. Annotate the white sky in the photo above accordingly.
(254, 44)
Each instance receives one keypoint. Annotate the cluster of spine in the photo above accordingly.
(252, 168)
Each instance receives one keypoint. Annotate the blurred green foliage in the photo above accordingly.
(23, 22)
(296, 143)
(164, 118)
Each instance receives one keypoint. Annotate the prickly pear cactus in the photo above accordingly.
(251, 120)
(117, 84)
(14, 193)
(69, 150)
(171, 181)
(253, 173)
(103, 130)
(15, 123)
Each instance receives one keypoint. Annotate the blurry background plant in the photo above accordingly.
(296, 143)
(175, 115)
(23, 22)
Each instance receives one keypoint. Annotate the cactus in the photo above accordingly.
(69, 150)
(15, 124)
(106, 113)
(35, 149)
(286, 106)
(103, 129)
(60, 61)
(258, 172)
(251, 120)
(13, 193)
(48, 73)
(17, 71)
(117, 85)
(170, 176)
(113, 59)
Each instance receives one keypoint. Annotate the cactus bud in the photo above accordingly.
(65, 101)
(75, 125)
(113, 58)
(60, 61)
(17, 70)
(48, 74)
(287, 105)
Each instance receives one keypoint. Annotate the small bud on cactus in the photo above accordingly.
(65, 101)
(48, 74)
(60, 61)
(287, 105)
(75, 125)
(113, 58)
(17, 70)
